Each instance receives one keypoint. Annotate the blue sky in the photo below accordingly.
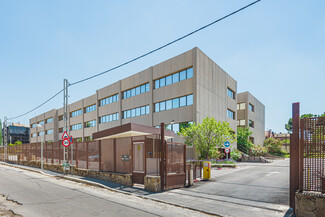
(274, 49)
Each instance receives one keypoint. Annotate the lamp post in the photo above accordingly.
(40, 127)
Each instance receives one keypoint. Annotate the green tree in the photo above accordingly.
(274, 146)
(243, 143)
(288, 126)
(208, 136)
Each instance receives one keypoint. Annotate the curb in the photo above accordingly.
(110, 189)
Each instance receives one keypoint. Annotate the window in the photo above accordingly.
(90, 123)
(230, 114)
(33, 135)
(76, 113)
(61, 130)
(230, 93)
(76, 127)
(41, 133)
(60, 118)
(110, 99)
(241, 122)
(174, 103)
(49, 120)
(41, 123)
(90, 108)
(48, 132)
(177, 126)
(251, 123)
(174, 78)
(109, 118)
(241, 106)
(33, 125)
(143, 110)
(136, 91)
(251, 107)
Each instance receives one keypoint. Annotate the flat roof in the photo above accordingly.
(130, 130)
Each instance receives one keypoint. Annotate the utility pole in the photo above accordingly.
(66, 117)
(5, 138)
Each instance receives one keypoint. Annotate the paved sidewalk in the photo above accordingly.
(209, 204)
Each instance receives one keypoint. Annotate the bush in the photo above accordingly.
(258, 150)
(236, 154)
(274, 147)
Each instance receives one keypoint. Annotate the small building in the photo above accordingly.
(251, 113)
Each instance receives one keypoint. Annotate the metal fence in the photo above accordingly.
(312, 144)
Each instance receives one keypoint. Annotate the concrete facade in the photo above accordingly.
(251, 113)
(205, 93)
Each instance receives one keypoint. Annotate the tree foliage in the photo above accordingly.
(243, 143)
(288, 126)
(274, 146)
(208, 136)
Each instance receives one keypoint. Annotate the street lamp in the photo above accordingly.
(40, 127)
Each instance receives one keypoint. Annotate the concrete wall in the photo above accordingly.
(257, 116)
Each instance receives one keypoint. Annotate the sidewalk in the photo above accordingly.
(182, 197)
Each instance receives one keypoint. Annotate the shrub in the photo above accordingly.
(274, 147)
(236, 154)
(258, 150)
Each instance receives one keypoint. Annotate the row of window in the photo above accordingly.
(241, 106)
(76, 113)
(90, 123)
(242, 123)
(109, 118)
(174, 78)
(178, 126)
(174, 103)
(108, 100)
(76, 127)
(49, 120)
(90, 108)
(136, 112)
(136, 91)
(230, 114)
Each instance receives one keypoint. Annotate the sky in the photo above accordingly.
(274, 49)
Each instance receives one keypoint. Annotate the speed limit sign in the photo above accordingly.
(227, 150)
(66, 142)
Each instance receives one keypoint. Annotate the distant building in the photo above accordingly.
(17, 132)
(281, 136)
(251, 113)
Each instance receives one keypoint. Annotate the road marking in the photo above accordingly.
(270, 173)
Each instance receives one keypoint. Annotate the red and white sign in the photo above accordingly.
(227, 150)
(66, 142)
(65, 135)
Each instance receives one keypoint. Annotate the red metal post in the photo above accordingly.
(52, 153)
(294, 154)
(301, 155)
(87, 147)
(114, 151)
(100, 154)
(77, 163)
(162, 156)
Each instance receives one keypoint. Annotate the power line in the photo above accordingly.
(37, 106)
(139, 57)
(170, 43)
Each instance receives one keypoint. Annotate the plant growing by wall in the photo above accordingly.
(208, 136)
(243, 143)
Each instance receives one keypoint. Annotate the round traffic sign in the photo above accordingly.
(227, 144)
(227, 150)
(66, 142)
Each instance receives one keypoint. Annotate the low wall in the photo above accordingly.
(152, 183)
(310, 204)
(122, 179)
(254, 159)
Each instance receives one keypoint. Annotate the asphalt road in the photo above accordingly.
(268, 183)
(42, 195)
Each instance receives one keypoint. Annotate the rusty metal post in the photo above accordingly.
(52, 153)
(114, 150)
(162, 156)
(100, 155)
(87, 147)
(301, 156)
(294, 154)
(77, 163)
(184, 164)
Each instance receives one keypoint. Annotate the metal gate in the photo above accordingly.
(312, 156)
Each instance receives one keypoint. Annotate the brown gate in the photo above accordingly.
(175, 165)
(312, 157)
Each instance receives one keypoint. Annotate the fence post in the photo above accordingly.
(59, 153)
(294, 154)
(100, 154)
(52, 153)
(114, 147)
(87, 146)
(301, 155)
(162, 156)
(184, 164)
(77, 154)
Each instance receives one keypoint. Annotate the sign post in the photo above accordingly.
(66, 143)
(227, 149)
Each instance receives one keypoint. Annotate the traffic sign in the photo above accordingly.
(66, 142)
(71, 139)
(65, 135)
(227, 144)
(227, 150)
